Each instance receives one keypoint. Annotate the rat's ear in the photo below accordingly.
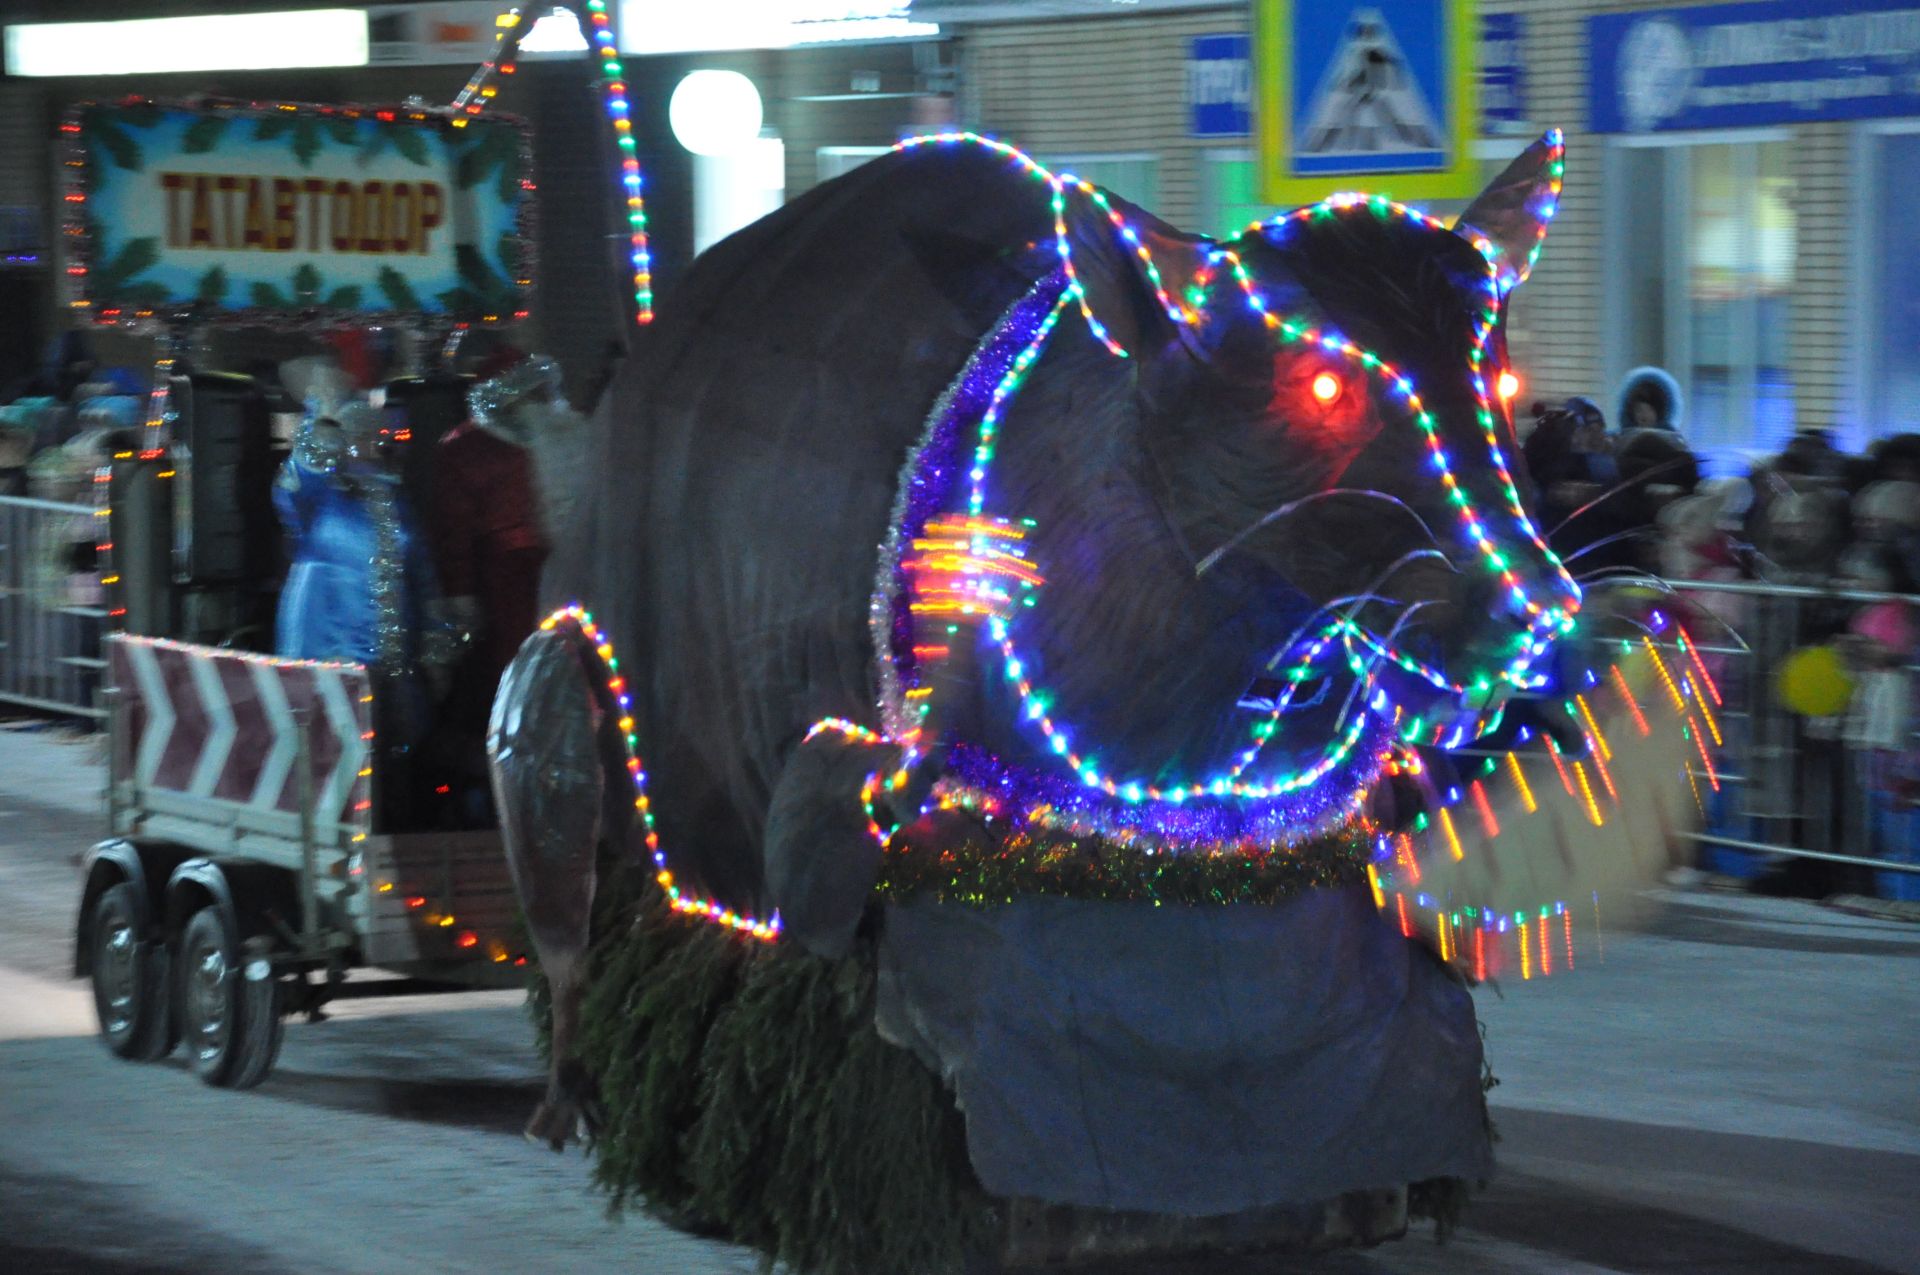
(1135, 272)
(1508, 220)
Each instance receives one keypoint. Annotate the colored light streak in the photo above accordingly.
(1520, 783)
(1593, 728)
(1633, 705)
(1586, 794)
(1486, 809)
(679, 900)
(1706, 759)
(1666, 678)
(1688, 645)
(1453, 838)
(1706, 711)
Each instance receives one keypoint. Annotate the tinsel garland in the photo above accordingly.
(960, 860)
(927, 480)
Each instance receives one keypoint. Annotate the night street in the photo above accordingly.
(1728, 1093)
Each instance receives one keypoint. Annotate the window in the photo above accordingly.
(1890, 279)
(1133, 177)
(1700, 282)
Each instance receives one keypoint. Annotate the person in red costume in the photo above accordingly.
(489, 540)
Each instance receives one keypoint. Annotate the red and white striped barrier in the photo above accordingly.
(220, 726)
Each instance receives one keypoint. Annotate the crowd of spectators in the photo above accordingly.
(1632, 502)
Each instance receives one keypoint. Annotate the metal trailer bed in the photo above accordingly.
(245, 875)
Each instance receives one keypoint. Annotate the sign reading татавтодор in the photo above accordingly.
(315, 211)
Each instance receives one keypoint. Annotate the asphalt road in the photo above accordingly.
(1736, 1089)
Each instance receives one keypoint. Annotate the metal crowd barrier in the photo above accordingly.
(51, 613)
(1788, 785)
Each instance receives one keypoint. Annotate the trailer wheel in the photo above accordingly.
(229, 1004)
(129, 979)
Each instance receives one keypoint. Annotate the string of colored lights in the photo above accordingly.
(620, 111)
(479, 90)
(681, 901)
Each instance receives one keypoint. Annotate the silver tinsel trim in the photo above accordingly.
(389, 568)
(490, 401)
(897, 717)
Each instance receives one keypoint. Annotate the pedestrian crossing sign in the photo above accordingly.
(1365, 94)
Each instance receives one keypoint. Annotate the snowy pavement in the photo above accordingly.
(1736, 1089)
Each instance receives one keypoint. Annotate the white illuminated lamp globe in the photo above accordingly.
(715, 112)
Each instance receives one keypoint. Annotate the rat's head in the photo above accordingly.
(1317, 481)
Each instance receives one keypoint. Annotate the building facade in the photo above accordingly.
(1769, 266)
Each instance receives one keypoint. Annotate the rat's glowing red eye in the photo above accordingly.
(1326, 387)
(1509, 386)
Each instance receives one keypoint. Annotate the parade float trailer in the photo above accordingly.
(1055, 715)
(251, 864)
(1000, 804)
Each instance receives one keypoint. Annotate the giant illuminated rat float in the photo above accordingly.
(1034, 621)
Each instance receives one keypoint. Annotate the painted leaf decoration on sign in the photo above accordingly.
(109, 275)
(411, 143)
(459, 301)
(271, 127)
(396, 289)
(306, 283)
(345, 132)
(480, 278)
(140, 114)
(213, 286)
(346, 297)
(306, 140)
(268, 297)
(203, 134)
(145, 294)
(135, 256)
(474, 164)
(123, 150)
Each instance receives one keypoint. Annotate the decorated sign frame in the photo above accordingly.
(114, 278)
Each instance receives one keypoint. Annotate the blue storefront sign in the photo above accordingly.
(1503, 76)
(1768, 62)
(1220, 85)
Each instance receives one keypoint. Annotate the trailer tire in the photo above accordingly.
(229, 1012)
(129, 976)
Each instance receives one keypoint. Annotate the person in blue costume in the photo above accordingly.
(360, 578)
(361, 583)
